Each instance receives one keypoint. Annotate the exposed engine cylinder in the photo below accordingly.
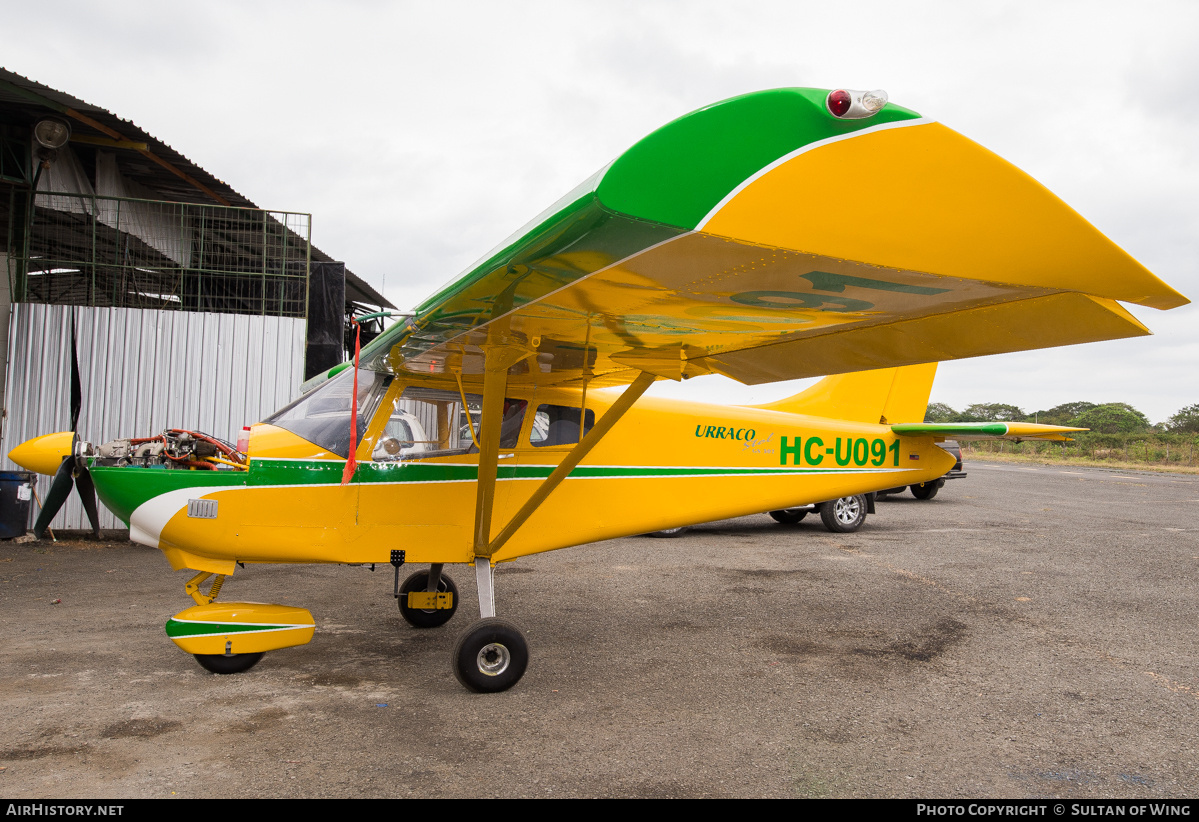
(173, 448)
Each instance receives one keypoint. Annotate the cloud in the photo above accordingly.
(419, 135)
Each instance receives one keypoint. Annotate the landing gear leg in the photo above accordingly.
(485, 579)
(193, 587)
(492, 654)
(228, 662)
(434, 577)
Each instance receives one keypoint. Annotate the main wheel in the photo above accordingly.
(221, 664)
(789, 516)
(427, 617)
(491, 656)
(926, 490)
(845, 515)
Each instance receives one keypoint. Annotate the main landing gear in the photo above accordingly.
(492, 654)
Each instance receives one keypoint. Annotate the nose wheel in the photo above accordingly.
(231, 664)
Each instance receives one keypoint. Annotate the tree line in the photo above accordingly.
(1100, 418)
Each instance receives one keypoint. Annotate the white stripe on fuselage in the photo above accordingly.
(148, 519)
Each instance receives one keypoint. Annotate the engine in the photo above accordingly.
(173, 448)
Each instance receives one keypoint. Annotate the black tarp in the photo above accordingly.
(326, 317)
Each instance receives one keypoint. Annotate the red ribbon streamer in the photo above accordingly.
(352, 459)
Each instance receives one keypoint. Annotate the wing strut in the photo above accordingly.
(495, 382)
(572, 459)
(492, 654)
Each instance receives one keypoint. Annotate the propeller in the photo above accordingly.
(72, 471)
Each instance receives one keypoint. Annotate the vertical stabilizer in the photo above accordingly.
(886, 396)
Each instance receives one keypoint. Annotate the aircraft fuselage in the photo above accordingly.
(666, 463)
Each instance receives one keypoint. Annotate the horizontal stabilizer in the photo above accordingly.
(986, 430)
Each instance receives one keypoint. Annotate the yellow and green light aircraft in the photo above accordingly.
(777, 235)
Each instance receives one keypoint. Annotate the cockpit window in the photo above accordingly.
(322, 416)
(559, 425)
(427, 422)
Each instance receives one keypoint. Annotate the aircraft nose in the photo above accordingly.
(43, 454)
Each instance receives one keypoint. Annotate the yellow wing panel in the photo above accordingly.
(926, 198)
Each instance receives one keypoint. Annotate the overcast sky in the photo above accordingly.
(419, 135)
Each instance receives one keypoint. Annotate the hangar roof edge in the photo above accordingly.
(173, 176)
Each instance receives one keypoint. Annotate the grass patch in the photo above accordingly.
(1055, 454)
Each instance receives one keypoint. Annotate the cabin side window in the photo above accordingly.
(559, 425)
(426, 422)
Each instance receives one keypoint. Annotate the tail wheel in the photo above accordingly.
(491, 656)
(427, 618)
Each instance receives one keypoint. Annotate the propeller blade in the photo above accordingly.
(76, 388)
(60, 489)
(87, 493)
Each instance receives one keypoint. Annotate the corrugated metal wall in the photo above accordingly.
(143, 371)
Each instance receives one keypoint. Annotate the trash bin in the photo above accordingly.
(16, 495)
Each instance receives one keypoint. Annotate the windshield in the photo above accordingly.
(322, 416)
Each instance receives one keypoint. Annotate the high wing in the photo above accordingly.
(765, 239)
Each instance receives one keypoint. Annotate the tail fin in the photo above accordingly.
(885, 396)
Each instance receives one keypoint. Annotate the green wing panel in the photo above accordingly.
(681, 172)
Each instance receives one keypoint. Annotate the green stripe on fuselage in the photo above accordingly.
(294, 472)
(122, 489)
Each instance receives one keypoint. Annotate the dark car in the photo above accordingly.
(842, 516)
(928, 490)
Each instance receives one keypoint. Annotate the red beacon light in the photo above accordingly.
(846, 104)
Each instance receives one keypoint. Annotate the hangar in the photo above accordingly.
(189, 306)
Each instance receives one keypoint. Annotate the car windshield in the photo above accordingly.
(322, 416)
(445, 422)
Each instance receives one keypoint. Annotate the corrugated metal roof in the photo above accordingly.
(158, 167)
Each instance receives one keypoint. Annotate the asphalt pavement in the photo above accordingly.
(1030, 632)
